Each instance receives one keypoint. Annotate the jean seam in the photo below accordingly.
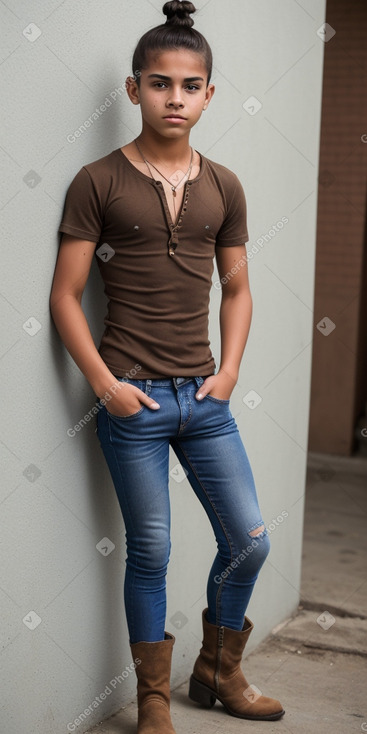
(131, 600)
(183, 425)
(120, 477)
(124, 418)
(217, 400)
(219, 592)
(113, 449)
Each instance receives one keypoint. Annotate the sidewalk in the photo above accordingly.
(316, 663)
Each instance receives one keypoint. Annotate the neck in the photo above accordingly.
(156, 148)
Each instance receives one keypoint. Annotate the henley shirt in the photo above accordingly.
(158, 303)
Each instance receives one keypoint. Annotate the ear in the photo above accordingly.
(208, 95)
(132, 90)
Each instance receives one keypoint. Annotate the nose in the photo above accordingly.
(175, 98)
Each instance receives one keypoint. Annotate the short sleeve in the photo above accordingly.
(234, 228)
(83, 208)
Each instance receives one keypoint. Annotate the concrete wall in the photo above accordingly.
(64, 639)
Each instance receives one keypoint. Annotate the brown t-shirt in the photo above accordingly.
(158, 304)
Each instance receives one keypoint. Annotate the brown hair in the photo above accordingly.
(177, 32)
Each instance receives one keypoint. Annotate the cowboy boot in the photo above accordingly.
(153, 688)
(217, 674)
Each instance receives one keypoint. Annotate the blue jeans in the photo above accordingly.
(206, 441)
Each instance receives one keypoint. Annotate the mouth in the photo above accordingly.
(174, 117)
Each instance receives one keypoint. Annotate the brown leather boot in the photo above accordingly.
(217, 674)
(153, 674)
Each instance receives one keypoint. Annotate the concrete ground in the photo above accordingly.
(316, 662)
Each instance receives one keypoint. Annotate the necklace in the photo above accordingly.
(173, 241)
(173, 188)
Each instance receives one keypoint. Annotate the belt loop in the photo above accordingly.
(199, 381)
(148, 387)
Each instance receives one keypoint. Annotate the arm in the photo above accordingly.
(71, 274)
(235, 320)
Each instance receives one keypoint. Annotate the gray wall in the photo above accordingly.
(65, 636)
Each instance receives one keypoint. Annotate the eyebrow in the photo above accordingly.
(168, 78)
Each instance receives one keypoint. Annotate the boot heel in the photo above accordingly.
(201, 694)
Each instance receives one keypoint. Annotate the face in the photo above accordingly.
(173, 92)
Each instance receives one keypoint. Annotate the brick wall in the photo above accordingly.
(339, 364)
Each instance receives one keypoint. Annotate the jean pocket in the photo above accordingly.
(217, 400)
(125, 417)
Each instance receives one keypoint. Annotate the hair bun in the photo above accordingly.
(178, 13)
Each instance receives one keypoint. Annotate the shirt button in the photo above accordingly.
(207, 226)
(136, 227)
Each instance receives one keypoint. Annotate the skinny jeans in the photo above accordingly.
(205, 438)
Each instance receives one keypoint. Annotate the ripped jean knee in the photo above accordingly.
(247, 561)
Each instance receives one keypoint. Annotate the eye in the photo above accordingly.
(159, 84)
(192, 87)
